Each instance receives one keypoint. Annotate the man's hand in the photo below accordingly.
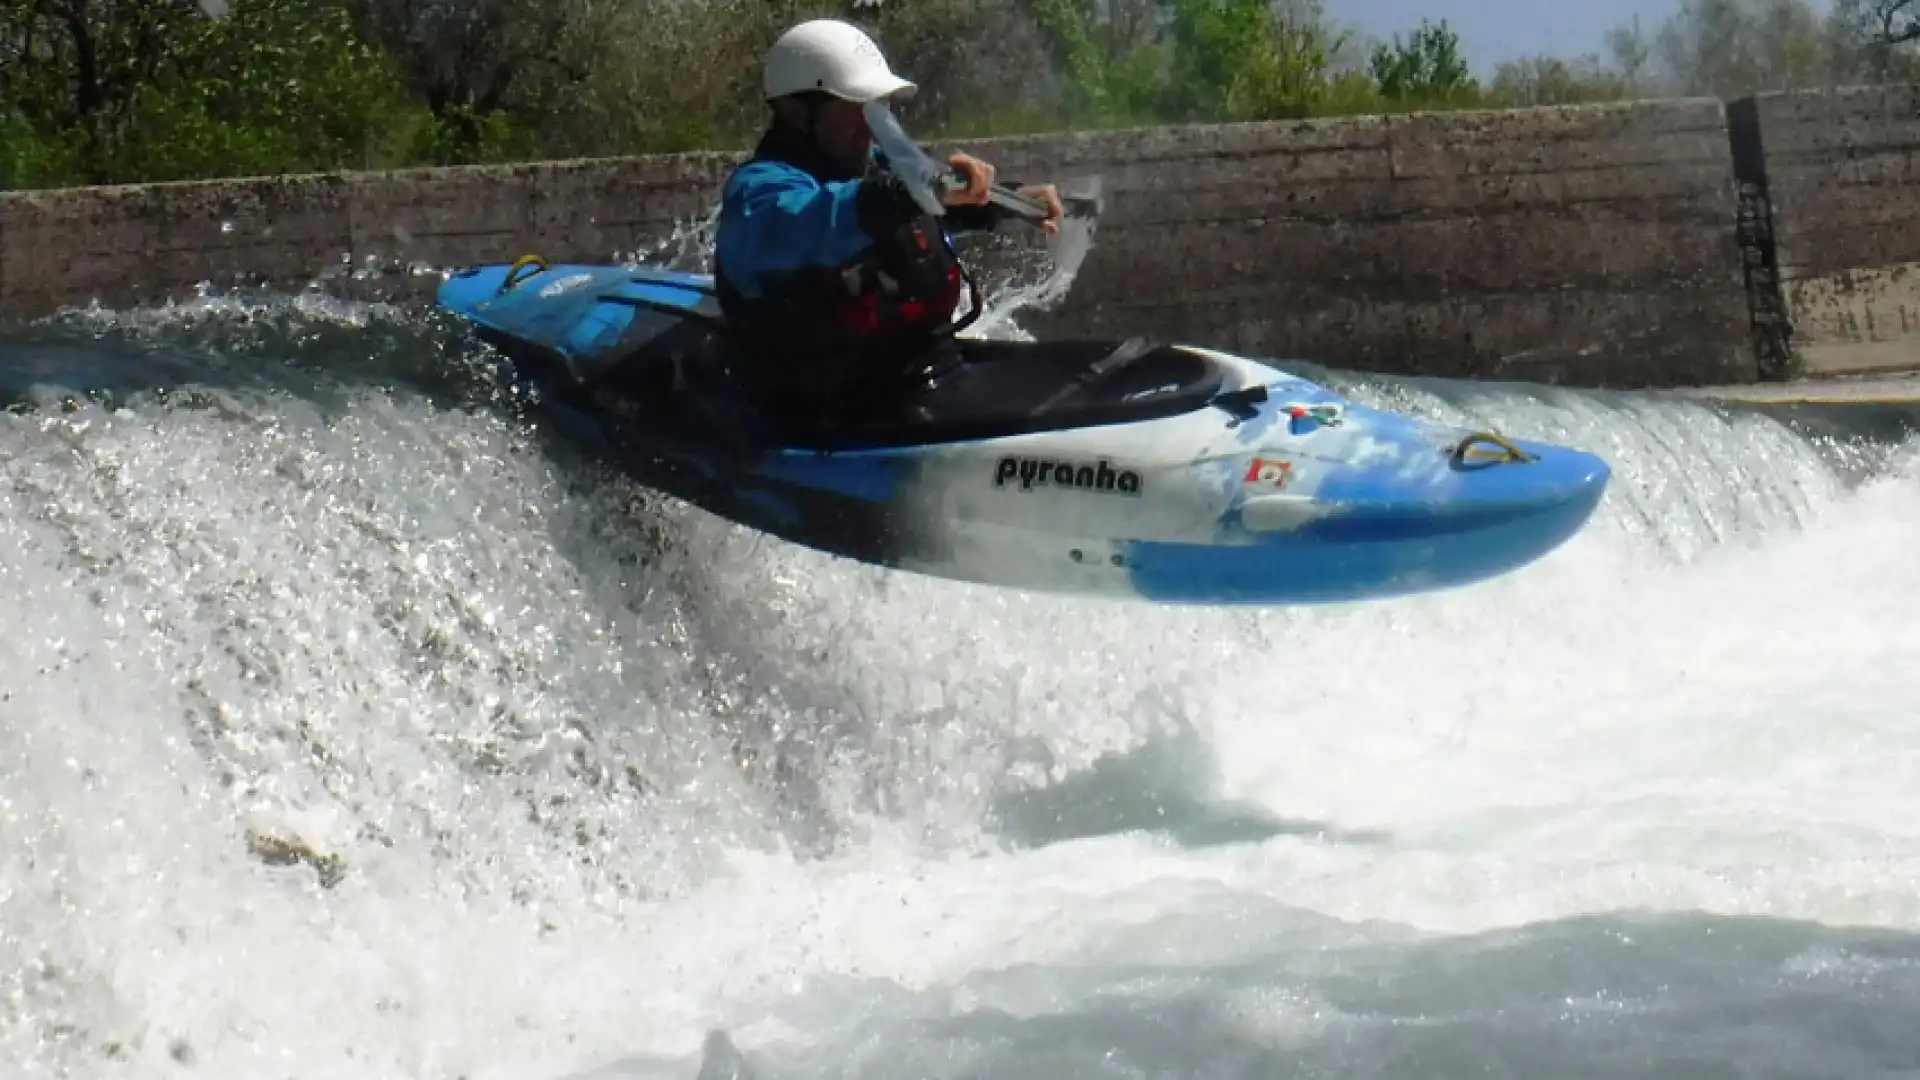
(1049, 194)
(979, 179)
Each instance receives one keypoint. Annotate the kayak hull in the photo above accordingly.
(1171, 474)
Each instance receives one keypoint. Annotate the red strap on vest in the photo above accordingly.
(870, 312)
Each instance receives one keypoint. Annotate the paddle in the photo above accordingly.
(1078, 198)
(924, 176)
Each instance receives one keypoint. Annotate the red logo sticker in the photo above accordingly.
(1268, 472)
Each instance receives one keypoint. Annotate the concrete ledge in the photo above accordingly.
(1897, 389)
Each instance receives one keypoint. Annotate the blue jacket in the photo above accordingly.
(777, 217)
(831, 284)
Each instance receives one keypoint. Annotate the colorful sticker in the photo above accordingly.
(1269, 472)
(1305, 418)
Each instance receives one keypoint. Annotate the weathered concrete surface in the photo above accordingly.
(1843, 188)
(1593, 244)
(127, 244)
(136, 244)
(1901, 389)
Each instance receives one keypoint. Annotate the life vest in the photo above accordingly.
(828, 333)
(908, 283)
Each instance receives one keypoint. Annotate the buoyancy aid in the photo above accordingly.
(841, 333)
(908, 283)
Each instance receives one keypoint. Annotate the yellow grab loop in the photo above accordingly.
(1512, 453)
(513, 274)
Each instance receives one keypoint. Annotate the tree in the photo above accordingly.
(1889, 22)
(469, 59)
(1875, 38)
(1427, 68)
(1731, 48)
(106, 91)
(1549, 80)
(1631, 52)
(72, 71)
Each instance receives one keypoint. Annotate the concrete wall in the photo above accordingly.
(1646, 244)
(1842, 190)
(136, 244)
(1592, 245)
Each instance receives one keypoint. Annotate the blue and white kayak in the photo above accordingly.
(1166, 473)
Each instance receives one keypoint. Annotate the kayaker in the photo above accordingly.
(833, 279)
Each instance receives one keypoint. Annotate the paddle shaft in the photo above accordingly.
(1025, 206)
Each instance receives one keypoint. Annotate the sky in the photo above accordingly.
(1495, 30)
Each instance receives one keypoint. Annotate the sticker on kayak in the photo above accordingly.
(1305, 418)
(566, 284)
(1269, 473)
(1039, 473)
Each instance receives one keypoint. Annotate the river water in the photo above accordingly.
(349, 730)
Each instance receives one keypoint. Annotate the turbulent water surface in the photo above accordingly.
(349, 728)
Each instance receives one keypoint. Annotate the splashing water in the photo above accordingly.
(348, 730)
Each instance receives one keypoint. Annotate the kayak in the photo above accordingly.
(1166, 473)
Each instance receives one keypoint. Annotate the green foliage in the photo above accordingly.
(35, 156)
(274, 86)
(1427, 68)
(1159, 61)
(1549, 80)
(1112, 78)
(116, 91)
(1231, 61)
(142, 93)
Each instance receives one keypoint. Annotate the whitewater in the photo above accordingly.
(352, 728)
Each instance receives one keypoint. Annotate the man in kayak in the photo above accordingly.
(837, 284)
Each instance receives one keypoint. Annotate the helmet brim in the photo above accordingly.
(888, 87)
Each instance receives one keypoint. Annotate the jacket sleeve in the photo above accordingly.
(775, 218)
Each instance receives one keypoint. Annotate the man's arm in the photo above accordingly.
(775, 218)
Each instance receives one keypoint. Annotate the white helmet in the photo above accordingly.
(830, 55)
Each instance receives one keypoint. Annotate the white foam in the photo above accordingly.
(594, 798)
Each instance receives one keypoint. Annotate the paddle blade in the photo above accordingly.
(1083, 197)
